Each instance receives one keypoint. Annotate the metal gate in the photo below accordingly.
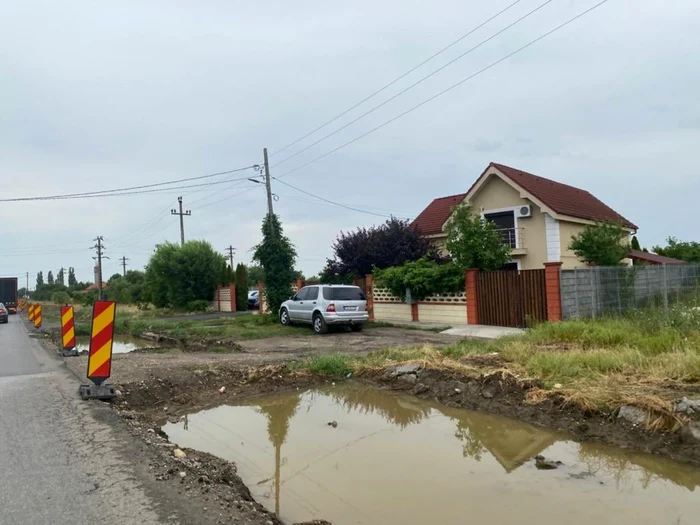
(511, 298)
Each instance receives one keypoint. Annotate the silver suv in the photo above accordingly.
(326, 304)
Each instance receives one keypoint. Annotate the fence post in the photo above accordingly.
(232, 289)
(578, 307)
(665, 291)
(594, 292)
(218, 298)
(370, 296)
(472, 299)
(552, 278)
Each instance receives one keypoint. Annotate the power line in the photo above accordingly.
(330, 201)
(419, 81)
(372, 95)
(119, 191)
(453, 86)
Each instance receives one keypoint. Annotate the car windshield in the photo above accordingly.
(349, 293)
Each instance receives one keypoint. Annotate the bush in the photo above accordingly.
(60, 298)
(178, 275)
(198, 305)
(423, 277)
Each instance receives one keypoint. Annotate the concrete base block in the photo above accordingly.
(103, 392)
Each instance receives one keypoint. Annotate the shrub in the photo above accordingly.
(198, 305)
(60, 298)
(423, 277)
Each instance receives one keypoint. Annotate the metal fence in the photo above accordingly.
(594, 292)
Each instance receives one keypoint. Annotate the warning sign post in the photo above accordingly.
(68, 332)
(100, 358)
(37, 316)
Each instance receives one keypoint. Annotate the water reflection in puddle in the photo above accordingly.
(122, 344)
(395, 459)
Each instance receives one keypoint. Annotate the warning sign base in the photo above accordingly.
(103, 392)
(69, 353)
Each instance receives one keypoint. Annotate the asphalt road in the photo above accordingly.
(61, 461)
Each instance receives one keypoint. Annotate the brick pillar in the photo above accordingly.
(300, 283)
(472, 301)
(261, 285)
(232, 287)
(414, 312)
(218, 298)
(370, 296)
(552, 278)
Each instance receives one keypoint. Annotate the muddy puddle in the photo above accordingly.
(395, 459)
(122, 344)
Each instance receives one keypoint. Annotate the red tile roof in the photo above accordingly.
(561, 198)
(432, 218)
(652, 258)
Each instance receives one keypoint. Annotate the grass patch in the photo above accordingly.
(601, 362)
(331, 365)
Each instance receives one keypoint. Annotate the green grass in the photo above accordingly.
(330, 365)
(600, 358)
(242, 327)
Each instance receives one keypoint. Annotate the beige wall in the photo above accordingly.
(566, 231)
(449, 314)
(392, 312)
(496, 194)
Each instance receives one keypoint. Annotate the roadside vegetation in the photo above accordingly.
(594, 363)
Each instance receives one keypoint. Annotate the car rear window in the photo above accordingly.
(343, 294)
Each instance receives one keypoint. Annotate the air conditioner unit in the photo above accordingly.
(524, 211)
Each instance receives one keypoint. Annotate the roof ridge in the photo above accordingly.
(498, 164)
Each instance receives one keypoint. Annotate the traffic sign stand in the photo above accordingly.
(68, 332)
(100, 359)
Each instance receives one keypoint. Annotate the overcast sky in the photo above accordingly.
(101, 95)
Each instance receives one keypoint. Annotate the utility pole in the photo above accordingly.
(182, 221)
(230, 251)
(27, 292)
(123, 260)
(100, 248)
(268, 188)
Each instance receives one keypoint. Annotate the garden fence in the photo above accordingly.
(606, 291)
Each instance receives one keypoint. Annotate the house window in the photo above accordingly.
(505, 225)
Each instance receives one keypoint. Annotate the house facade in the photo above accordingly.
(537, 217)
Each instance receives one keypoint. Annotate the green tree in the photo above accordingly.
(228, 275)
(72, 281)
(688, 251)
(390, 244)
(635, 244)
(256, 275)
(474, 242)
(423, 277)
(276, 254)
(39, 279)
(241, 287)
(49, 279)
(22, 292)
(602, 244)
(177, 276)
(60, 277)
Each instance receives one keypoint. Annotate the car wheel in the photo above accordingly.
(284, 317)
(356, 327)
(320, 326)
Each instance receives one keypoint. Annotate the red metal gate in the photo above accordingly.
(511, 298)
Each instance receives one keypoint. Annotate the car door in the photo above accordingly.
(296, 305)
(306, 307)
